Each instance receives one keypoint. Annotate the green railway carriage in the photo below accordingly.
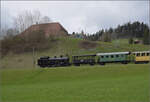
(116, 57)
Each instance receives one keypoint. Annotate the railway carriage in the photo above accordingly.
(142, 56)
(83, 59)
(116, 57)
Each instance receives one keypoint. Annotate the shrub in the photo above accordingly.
(25, 43)
(131, 41)
(146, 37)
(106, 37)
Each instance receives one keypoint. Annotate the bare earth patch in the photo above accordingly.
(87, 45)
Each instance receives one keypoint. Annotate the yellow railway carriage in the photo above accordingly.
(142, 56)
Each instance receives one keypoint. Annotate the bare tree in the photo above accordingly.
(45, 19)
(23, 20)
(27, 18)
(3, 31)
(36, 16)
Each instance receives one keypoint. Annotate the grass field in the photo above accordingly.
(109, 83)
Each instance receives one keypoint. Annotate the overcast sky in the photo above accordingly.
(75, 16)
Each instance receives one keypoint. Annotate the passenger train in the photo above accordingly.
(99, 58)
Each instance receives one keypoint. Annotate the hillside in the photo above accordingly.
(70, 46)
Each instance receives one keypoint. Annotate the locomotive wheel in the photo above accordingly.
(137, 62)
(91, 64)
(77, 64)
(102, 63)
(125, 62)
(42, 66)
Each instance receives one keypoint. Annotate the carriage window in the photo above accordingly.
(107, 56)
(121, 55)
(138, 54)
(143, 54)
(102, 56)
(117, 55)
(148, 54)
(112, 56)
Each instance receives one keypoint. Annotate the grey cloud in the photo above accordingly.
(87, 15)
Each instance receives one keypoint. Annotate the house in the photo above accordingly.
(136, 41)
(78, 35)
(54, 29)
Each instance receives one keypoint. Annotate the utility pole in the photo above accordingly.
(33, 55)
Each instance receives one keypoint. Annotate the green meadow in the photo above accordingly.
(20, 81)
(109, 83)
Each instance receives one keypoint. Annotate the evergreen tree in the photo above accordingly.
(146, 37)
(126, 31)
(107, 37)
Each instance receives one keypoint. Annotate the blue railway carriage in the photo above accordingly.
(116, 57)
(83, 59)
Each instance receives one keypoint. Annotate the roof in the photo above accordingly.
(114, 53)
(53, 58)
(54, 28)
(84, 55)
(141, 52)
(58, 58)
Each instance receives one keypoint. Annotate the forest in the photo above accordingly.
(135, 30)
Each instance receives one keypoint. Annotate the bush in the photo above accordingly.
(106, 37)
(131, 41)
(146, 37)
(25, 43)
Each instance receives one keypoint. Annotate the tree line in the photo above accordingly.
(128, 30)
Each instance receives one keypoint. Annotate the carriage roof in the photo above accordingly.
(84, 55)
(58, 58)
(50, 58)
(114, 53)
(141, 52)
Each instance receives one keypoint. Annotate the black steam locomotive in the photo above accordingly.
(53, 62)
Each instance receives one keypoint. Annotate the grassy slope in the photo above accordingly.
(110, 83)
(68, 46)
